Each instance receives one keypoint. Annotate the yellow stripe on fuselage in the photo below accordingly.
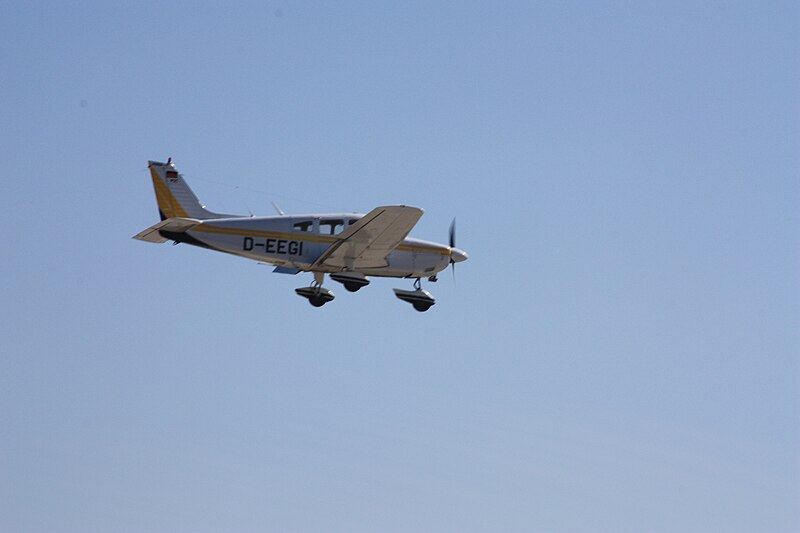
(205, 228)
(305, 237)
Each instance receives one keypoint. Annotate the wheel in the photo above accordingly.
(352, 287)
(316, 301)
(421, 307)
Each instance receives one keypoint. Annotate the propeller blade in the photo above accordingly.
(453, 245)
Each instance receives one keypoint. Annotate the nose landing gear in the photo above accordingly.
(419, 297)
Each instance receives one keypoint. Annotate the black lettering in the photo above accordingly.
(281, 246)
(270, 249)
(293, 245)
(247, 245)
(301, 249)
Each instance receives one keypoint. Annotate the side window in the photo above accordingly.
(331, 227)
(305, 225)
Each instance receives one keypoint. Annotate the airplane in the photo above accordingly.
(349, 247)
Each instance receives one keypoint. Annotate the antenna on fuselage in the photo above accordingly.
(248, 209)
(278, 209)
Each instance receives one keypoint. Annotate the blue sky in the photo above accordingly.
(620, 353)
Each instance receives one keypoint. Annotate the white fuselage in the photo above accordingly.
(297, 241)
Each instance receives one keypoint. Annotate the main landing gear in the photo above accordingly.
(352, 281)
(316, 294)
(419, 297)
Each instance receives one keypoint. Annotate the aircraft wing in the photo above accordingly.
(367, 243)
(175, 224)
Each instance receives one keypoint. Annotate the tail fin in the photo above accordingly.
(174, 197)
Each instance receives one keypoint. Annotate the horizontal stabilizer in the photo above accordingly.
(175, 225)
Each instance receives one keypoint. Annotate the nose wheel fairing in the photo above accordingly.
(421, 299)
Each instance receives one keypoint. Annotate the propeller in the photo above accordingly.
(453, 245)
(456, 255)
